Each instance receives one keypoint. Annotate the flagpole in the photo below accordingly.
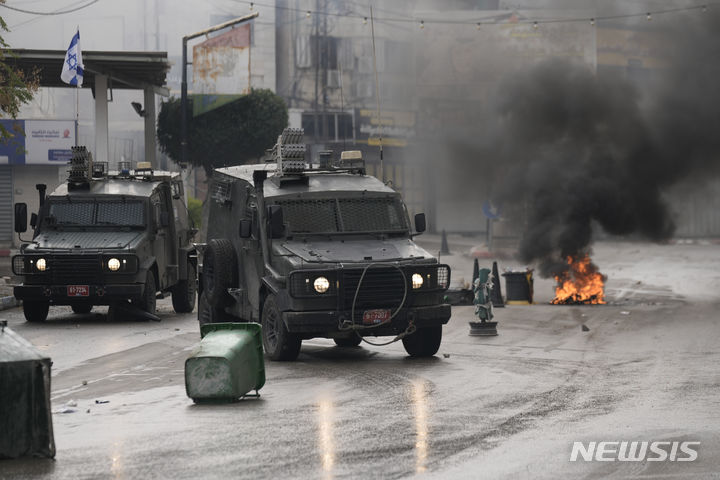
(77, 93)
(77, 113)
(72, 74)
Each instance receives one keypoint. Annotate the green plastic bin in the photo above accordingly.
(226, 364)
(26, 427)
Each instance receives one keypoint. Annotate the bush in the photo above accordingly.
(195, 212)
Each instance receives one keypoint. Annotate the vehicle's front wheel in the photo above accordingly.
(353, 341)
(81, 307)
(425, 342)
(278, 342)
(184, 293)
(35, 311)
(147, 302)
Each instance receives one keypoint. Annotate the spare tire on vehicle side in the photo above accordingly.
(219, 271)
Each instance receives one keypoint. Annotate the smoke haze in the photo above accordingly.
(572, 149)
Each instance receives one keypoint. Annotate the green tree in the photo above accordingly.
(16, 86)
(195, 211)
(233, 134)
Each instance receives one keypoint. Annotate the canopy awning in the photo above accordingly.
(125, 70)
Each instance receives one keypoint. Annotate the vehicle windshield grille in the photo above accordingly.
(382, 214)
(129, 214)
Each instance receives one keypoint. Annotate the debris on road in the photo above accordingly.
(64, 410)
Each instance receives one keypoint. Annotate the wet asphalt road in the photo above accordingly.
(509, 406)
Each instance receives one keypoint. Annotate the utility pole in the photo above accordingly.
(183, 88)
(325, 62)
(316, 107)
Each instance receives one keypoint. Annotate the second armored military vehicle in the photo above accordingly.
(318, 251)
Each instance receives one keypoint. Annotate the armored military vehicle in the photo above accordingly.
(318, 251)
(107, 238)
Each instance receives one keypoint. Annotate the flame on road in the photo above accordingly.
(580, 283)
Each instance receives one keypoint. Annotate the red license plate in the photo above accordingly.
(78, 291)
(374, 317)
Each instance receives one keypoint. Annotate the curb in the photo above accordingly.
(9, 302)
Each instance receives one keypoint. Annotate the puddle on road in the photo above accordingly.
(328, 415)
(326, 442)
(420, 409)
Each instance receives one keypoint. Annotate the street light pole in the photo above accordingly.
(183, 87)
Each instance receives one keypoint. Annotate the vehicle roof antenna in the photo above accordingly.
(377, 94)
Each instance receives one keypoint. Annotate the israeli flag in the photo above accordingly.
(72, 71)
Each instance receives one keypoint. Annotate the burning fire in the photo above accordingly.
(581, 283)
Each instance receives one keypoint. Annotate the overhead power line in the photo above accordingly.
(57, 12)
(422, 22)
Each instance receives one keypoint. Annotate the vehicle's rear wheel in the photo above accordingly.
(209, 314)
(148, 302)
(35, 311)
(185, 292)
(219, 271)
(425, 342)
(353, 341)
(204, 313)
(81, 307)
(278, 342)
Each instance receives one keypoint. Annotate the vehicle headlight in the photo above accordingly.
(113, 264)
(41, 264)
(321, 284)
(417, 280)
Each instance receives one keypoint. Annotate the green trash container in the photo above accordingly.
(226, 364)
(26, 427)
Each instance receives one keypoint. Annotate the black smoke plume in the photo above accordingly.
(576, 149)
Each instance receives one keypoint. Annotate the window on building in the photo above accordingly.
(320, 51)
(331, 126)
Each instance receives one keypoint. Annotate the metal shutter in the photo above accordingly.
(6, 206)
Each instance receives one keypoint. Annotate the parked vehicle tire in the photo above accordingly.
(35, 311)
(219, 271)
(81, 307)
(209, 314)
(204, 313)
(185, 292)
(425, 342)
(353, 341)
(278, 342)
(114, 313)
(148, 301)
